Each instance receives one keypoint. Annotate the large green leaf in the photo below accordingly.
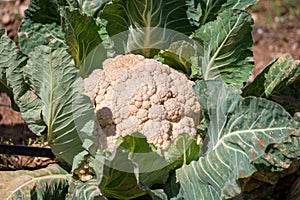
(119, 179)
(239, 132)
(10, 59)
(91, 7)
(279, 157)
(41, 26)
(3, 42)
(203, 11)
(146, 13)
(227, 44)
(150, 24)
(153, 168)
(182, 56)
(118, 184)
(171, 188)
(12, 67)
(184, 150)
(279, 82)
(51, 182)
(85, 190)
(54, 79)
(82, 37)
(31, 109)
(135, 166)
(131, 168)
(128, 171)
(142, 165)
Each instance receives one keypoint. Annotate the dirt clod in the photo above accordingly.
(6, 19)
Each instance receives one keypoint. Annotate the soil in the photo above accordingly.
(276, 31)
(11, 14)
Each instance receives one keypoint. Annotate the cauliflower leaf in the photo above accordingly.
(239, 132)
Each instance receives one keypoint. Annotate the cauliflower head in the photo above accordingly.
(135, 94)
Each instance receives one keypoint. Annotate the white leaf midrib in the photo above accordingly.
(210, 66)
(245, 132)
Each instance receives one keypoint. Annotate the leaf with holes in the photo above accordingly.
(227, 44)
(202, 11)
(239, 131)
(41, 26)
(54, 78)
(279, 82)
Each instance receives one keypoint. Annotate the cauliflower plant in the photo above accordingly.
(134, 94)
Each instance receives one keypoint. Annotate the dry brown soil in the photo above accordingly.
(276, 30)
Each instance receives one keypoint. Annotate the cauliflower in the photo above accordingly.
(135, 94)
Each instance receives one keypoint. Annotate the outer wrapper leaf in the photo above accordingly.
(91, 7)
(278, 82)
(135, 166)
(82, 37)
(12, 77)
(203, 11)
(132, 168)
(51, 182)
(146, 13)
(227, 44)
(117, 175)
(84, 190)
(182, 56)
(148, 24)
(54, 79)
(183, 151)
(10, 60)
(41, 26)
(151, 167)
(239, 132)
(5, 53)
